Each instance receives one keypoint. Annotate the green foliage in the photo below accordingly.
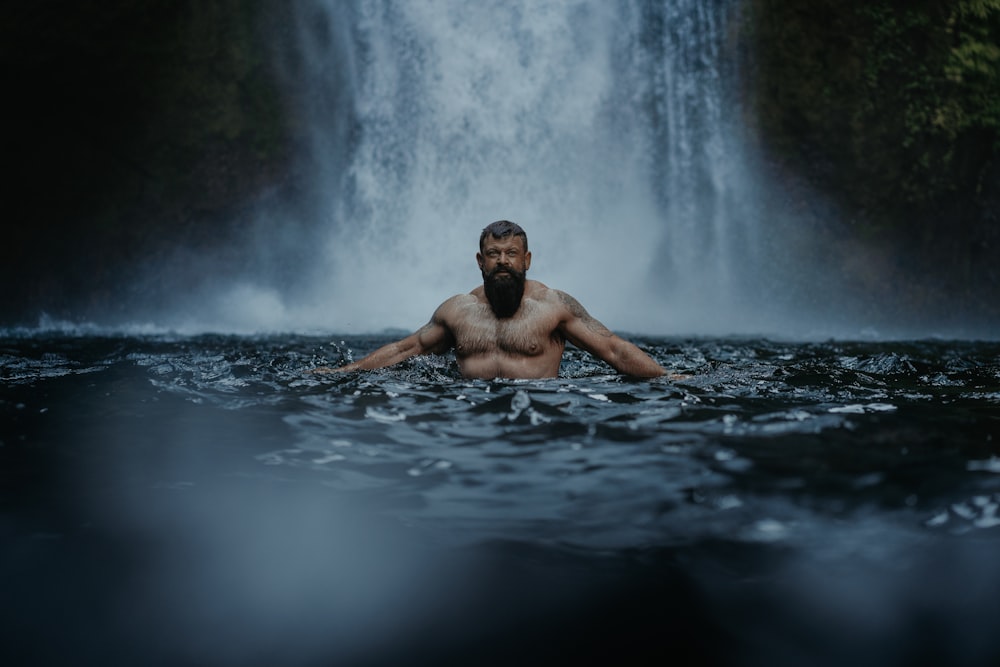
(217, 111)
(897, 100)
(893, 108)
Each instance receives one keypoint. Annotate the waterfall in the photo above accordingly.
(609, 130)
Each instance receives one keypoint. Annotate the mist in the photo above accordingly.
(614, 134)
(327, 166)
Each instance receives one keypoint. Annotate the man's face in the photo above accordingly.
(503, 256)
(504, 264)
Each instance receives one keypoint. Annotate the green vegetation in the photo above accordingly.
(894, 107)
(133, 128)
(903, 100)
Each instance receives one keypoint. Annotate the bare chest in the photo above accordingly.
(529, 333)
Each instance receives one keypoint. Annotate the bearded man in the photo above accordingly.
(510, 327)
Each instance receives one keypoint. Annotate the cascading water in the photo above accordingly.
(613, 132)
(608, 130)
(708, 209)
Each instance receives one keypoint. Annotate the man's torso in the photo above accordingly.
(528, 344)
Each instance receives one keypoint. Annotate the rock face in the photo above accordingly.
(132, 129)
(133, 132)
(894, 109)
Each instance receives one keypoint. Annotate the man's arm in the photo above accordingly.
(433, 337)
(587, 333)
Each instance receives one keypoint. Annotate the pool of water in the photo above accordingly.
(205, 500)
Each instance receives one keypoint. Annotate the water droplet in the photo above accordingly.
(854, 409)
(329, 458)
(728, 503)
(769, 530)
(384, 417)
(991, 464)
(963, 510)
(538, 418)
(937, 520)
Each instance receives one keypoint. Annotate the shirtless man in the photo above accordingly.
(510, 327)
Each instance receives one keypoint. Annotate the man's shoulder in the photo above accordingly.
(458, 301)
(544, 294)
(558, 301)
(537, 290)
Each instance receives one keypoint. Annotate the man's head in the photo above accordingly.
(502, 229)
(504, 260)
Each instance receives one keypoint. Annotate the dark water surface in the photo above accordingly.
(203, 500)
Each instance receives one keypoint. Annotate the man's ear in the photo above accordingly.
(527, 260)
(479, 260)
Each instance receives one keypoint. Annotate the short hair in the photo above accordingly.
(502, 229)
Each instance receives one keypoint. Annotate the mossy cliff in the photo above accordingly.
(893, 109)
(134, 129)
(131, 128)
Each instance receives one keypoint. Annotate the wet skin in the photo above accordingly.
(528, 344)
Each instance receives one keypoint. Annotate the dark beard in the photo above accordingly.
(504, 291)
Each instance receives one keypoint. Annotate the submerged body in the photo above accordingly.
(528, 344)
(510, 327)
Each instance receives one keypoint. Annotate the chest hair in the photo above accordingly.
(529, 332)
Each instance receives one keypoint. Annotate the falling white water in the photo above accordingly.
(609, 130)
